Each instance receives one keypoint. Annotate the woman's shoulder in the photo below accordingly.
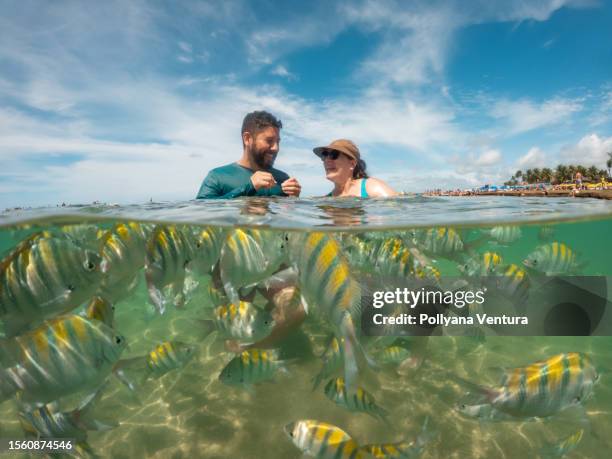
(378, 188)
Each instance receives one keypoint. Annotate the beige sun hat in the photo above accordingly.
(342, 145)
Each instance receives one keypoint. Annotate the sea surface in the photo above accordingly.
(189, 412)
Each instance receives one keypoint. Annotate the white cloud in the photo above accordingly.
(535, 157)
(525, 115)
(590, 150)
(281, 71)
(488, 158)
(186, 47)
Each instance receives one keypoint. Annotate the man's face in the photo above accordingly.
(264, 147)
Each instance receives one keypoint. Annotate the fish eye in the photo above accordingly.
(118, 339)
(71, 287)
(89, 265)
(462, 406)
(198, 245)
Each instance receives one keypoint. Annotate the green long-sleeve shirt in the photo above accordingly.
(234, 180)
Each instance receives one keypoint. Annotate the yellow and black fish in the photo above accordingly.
(167, 256)
(248, 257)
(326, 282)
(123, 250)
(322, 440)
(45, 276)
(62, 356)
(544, 388)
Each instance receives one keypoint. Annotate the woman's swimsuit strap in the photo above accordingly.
(364, 192)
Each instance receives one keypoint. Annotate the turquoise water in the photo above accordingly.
(190, 413)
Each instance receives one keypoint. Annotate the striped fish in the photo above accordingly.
(101, 309)
(168, 356)
(48, 422)
(440, 241)
(82, 235)
(402, 450)
(484, 264)
(323, 441)
(167, 255)
(244, 323)
(544, 388)
(251, 367)
(45, 276)
(514, 283)
(386, 257)
(206, 245)
(546, 233)
(62, 356)
(123, 250)
(427, 272)
(248, 257)
(393, 355)
(563, 446)
(325, 280)
(333, 360)
(553, 258)
(358, 401)
(505, 234)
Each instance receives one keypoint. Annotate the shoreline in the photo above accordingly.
(596, 194)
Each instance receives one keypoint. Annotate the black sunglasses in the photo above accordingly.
(331, 154)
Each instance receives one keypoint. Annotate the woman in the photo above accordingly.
(344, 166)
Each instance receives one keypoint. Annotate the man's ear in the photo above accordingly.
(247, 138)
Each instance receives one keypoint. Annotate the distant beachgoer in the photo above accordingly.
(578, 181)
(345, 168)
(253, 174)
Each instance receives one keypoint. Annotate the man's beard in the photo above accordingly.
(261, 159)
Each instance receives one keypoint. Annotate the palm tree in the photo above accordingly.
(547, 174)
(519, 173)
(561, 173)
(536, 175)
(609, 163)
(593, 174)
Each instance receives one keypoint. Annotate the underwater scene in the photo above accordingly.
(236, 329)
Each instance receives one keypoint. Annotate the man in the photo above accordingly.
(253, 174)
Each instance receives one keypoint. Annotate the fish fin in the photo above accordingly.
(483, 393)
(281, 279)
(426, 435)
(351, 368)
(157, 298)
(304, 303)
(231, 292)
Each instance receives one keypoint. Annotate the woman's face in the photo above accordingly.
(338, 170)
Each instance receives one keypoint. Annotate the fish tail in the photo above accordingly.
(426, 435)
(353, 353)
(486, 394)
(155, 295)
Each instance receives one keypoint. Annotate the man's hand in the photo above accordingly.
(261, 179)
(291, 187)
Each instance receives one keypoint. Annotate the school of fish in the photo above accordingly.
(59, 289)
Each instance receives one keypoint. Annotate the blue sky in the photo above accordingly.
(126, 101)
